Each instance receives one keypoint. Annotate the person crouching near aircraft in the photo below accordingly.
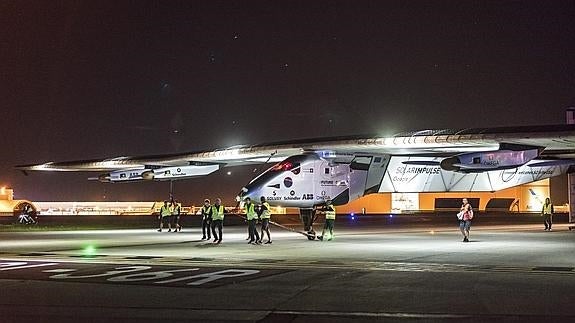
(252, 218)
(164, 216)
(329, 211)
(265, 215)
(547, 213)
(218, 220)
(466, 216)
(206, 220)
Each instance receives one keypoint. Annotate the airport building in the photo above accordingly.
(524, 199)
(11, 207)
(115, 208)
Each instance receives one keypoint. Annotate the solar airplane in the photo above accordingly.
(307, 173)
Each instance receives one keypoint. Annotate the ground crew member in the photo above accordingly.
(265, 215)
(164, 216)
(329, 210)
(206, 220)
(252, 217)
(547, 213)
(218, 220)
(176, 212)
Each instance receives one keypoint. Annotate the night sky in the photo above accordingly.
(96, 79)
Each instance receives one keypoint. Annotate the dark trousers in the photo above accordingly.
(252, 231)
(328, 226)
(219, 225)
(266, 229)
(547, 219)
(165, 219)
(206, 224)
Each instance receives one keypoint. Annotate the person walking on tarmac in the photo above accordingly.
(329, 211)
(466, 214)
(218, 220)
(206, 220)
(547, 213)
(252, 217)
(176, 212)
(265, 215)
(164, 216)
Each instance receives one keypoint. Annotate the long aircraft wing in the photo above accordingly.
(557, 142)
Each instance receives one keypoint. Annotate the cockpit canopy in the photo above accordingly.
(291, 164)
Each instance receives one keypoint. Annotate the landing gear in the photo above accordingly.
(307, 217)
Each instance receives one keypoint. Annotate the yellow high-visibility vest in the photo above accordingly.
(330, 214)
(267, 213)
(206, 211)
(547, 208)
(250, 211)
(218, 212)
(165, 211)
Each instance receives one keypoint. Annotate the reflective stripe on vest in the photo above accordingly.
(330, 214)
(250, 211)
(206, 210)
(218, 212)
(267, 213)
(165, 211)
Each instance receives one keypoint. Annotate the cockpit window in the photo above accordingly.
(291, 164)
(285, 166)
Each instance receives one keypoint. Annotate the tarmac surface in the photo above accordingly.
(402, 269)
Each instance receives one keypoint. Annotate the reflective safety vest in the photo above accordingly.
(176, 210)
(250, 211)
(206, 213)
(330, 213)
(267, 213)
(548, 208)
(165, 211)
(218, 212)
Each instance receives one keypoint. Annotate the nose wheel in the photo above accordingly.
(307, 217)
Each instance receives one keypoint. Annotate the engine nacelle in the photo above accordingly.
(131, 175)
(158, 174)
(490, 160)
(181, 172)
(121, 176)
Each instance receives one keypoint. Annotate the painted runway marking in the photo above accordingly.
(283, 264)
(63, 270)
(158, 275)
(21, 265)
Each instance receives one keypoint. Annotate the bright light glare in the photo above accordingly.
(89, 250)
